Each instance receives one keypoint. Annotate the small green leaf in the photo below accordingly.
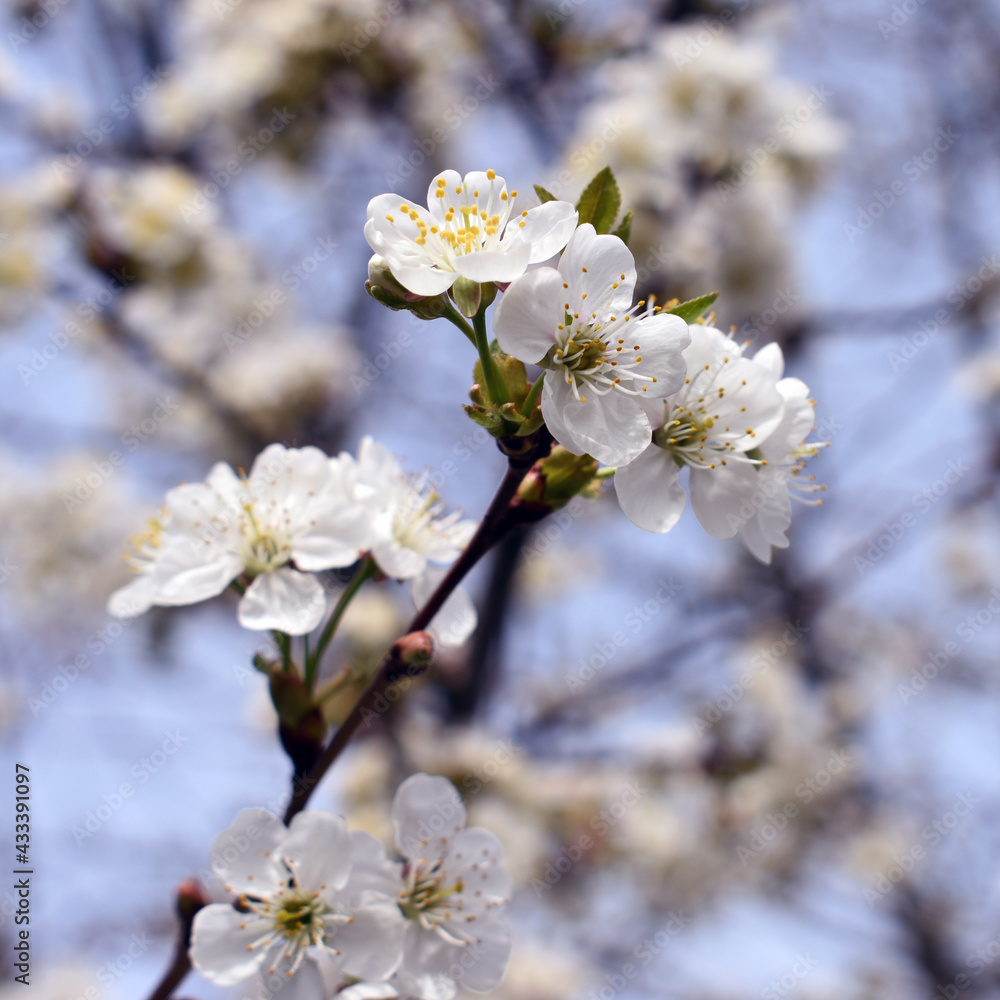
(543, 195)
(481, 417)
(624, 230)
(600, 202)
(689, 311)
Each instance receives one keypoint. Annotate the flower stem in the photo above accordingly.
(285, 645)
(364, 572)
(491, 530)
(494, 384)
(533, 393)
(456, 319)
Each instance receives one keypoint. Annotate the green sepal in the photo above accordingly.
(554, 480)
(600, 202)
(468, 295)
(692, 309)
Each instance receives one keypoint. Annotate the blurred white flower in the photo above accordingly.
(726, 409)
(450, 888)
(291, 509)
(464, 232)
(576, 321)
(300, 914)
(411, 536)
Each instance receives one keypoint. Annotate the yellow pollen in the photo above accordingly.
(491, 175)
(390, 218)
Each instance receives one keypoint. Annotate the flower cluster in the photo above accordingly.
(741, 430)
(297, 513)
(320, 909)
(634, 386)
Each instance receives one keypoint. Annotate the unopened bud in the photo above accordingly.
(191, 897)
(415, 649)
(554, 480)
(383, 286)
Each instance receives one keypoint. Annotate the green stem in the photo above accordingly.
(494, 384)
(606, 473)
(364, 572)
(533, 394)
(284, 643)
(457, 319)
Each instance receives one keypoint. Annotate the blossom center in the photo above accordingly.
(264, 549)
(299, 915)
(425, 897)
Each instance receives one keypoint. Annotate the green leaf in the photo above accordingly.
(543, 195)
(690, 311)
(624, 230)
(600, 202)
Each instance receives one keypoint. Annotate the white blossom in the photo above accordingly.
(290, 518)
(299, 913)
(466, 230)
(412, 537)
(725, 410)
(577, 321)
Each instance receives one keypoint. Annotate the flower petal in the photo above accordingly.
(547, 228)
(478, 854)
(245, 854)
(426, 813)
(502, 264)
(318, 849)
(372, 944)
(483, 961)
(613, 427)
(528, 314)
(456, 620)
(718, 497)
(221, 943)
(662, 339)
(398, 561)
(649, 491)
(372, 869)
(283, 599)
(595, 264)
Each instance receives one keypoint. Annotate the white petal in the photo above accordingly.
(134, 598)
(372, 869)
(423, 277)
(612, 428)
(427, 960)
(318, 848)
(245, 854)
(372, 944)
(478, 854)
(398, 561)
(484, 960)
(188, 570)
(502, 264)
(426, 813)
(528, 314)
(662, 340)
(547, 228)
(594, 264)
(720, 497)
(456, 620)
(283, 599)
(368, 991)
(649, 491)
(317, 977)
(220, 943)
(772, 359)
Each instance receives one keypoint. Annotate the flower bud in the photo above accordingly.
(191, 897)
(383, 286)
(554, 480)
(415, 649)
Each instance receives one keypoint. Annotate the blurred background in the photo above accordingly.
(713, 779)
